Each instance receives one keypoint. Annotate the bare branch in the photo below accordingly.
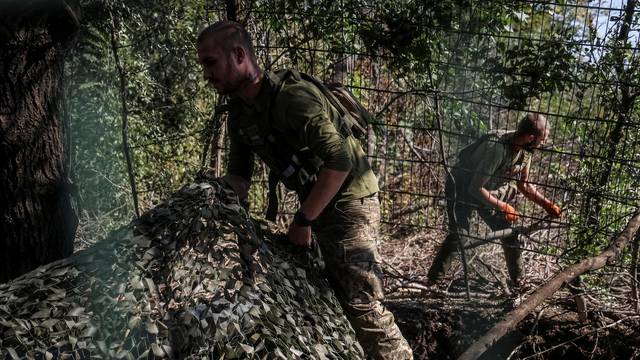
(561, 279)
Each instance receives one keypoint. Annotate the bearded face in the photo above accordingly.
(537, 141)
(221, 69)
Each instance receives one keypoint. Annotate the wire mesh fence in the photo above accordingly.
(471, 101)
(437, 77)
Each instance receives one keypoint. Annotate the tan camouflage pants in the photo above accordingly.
(347, 233)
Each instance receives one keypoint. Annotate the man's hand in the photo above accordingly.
(552, 209)
(299, 235)
(510, 213)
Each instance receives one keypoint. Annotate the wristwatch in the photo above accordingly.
(300, 219)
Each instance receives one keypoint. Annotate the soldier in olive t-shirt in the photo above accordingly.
(486, 178)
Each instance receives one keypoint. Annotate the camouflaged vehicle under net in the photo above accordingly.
(193, 278)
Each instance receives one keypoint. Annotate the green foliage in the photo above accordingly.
(608, 178)
(479, 66)
(533, 68)
(96, 158)
(167, 102)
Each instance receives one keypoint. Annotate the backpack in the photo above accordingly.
(467, 151)
(358, 119)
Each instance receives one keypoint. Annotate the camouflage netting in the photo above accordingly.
(194, 277)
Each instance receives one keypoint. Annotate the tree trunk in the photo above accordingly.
(218, 129)
(37, 223)
(126, 151)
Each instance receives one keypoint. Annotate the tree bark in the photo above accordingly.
(37, 222)
(611, 254)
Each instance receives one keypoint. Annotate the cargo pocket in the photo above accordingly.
(361, 274)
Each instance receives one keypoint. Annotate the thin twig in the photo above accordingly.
(581, 336)
(125, 113)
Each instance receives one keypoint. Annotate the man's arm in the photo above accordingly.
(306, 115)
(326, 187)
(486, 166)
(530, 192)
(477, 190)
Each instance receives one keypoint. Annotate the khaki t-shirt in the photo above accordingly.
(496, 158)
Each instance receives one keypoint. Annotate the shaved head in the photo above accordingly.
(227, 57)
(533, 124)
(230, 34)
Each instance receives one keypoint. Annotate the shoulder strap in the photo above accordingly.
(523, 158)
(466, 152)
(340, 98)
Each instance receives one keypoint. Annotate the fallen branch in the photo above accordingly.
(610, 255)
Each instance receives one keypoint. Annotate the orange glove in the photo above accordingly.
(510, 213)
(552, 209)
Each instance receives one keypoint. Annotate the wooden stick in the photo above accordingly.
(476, 240)
(579, 298)
(610, 255)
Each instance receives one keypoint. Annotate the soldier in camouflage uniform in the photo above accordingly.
(487, 176)
(295, 130)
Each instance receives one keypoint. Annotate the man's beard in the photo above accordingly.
(529, 147)
(234, 86)
(229, 88)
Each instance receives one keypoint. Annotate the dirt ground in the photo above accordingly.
(440, 322)
(443, 329)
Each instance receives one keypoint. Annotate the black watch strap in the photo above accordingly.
(300, 219)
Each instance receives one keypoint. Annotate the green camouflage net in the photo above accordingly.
(194, 277)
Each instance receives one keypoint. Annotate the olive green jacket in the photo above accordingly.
(303, 118)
